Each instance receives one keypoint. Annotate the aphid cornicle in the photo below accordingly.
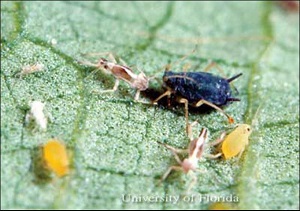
(198, 88)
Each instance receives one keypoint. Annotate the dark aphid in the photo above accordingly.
(195, 86)
(198, 88)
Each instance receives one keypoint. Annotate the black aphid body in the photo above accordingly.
(195, 86)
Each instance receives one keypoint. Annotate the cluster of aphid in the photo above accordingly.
(189, 88)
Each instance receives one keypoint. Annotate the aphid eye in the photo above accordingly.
(105, 66)
(248, 129)
(102, 61)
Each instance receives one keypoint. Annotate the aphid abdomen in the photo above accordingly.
(233, 144)
(121, 73)
(188, 90)
(230, 151)
(56, 158)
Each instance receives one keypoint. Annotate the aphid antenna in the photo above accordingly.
(90, 64)
(87, 63)
(97, 53)
(168, 66)
(181, 76)
(233, 99)
(110, 55)
(184, 57)
(141, 71)
(254, 122)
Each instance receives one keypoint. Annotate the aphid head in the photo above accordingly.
(103, 63)
(166, 79)
(166, 75)
(245, 129)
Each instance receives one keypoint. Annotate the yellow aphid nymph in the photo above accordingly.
(235, 142)
(56, 158)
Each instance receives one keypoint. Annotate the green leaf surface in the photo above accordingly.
(113, 140)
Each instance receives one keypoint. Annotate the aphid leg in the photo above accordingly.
(213, 156)
(194, 179)
(175, 151)
(137, 98)
(193, 182)
(216, 142)
(190, 129)
(219, 140)
(240, 153)
(167, 93)
(137, 95)
(186, 109)
(201, 102)
(176, 168)
(200, 171)
(115, 88)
